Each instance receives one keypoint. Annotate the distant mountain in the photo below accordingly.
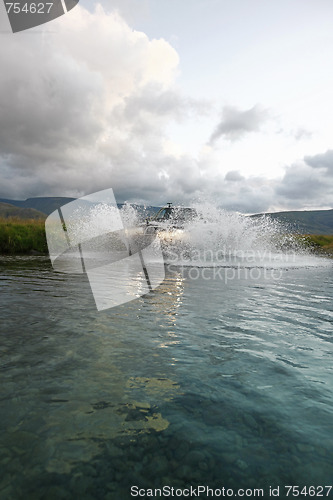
(7, 210)
(306, 221)
(46, 205)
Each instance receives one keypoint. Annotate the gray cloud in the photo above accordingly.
(308, 183)
(300, 182)
(236, 123)
(74, 109)
(233, 176)
(160, 102)
(301, 134)
(80, 112)
(321, 161)
(250, 195)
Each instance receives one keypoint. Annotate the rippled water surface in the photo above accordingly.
(213, 379)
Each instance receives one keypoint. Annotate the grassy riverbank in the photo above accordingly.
(320, 243)
(27, 236)
(22, 236)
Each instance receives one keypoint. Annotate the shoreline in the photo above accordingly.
(28, 237)
(22, 237)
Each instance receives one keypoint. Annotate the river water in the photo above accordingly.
(218, 378)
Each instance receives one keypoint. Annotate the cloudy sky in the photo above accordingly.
(172, 100)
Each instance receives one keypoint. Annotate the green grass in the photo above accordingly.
(22, 236)
(322, 243)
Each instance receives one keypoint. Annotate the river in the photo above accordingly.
(218, 378)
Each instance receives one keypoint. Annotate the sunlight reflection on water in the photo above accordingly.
(201, 380)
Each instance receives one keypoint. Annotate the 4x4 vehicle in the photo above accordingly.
(171, 218)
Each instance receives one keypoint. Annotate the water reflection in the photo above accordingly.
(166, 303)
(196, 381)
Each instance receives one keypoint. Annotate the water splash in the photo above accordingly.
(215, 237)
(131, 216)
(212, 237)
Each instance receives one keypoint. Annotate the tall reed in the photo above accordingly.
(22, 236)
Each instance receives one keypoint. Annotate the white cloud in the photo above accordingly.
(74, 104)
(89, 106)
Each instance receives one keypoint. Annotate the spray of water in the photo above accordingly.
(132, 216)
(210, 237)
(215, 237)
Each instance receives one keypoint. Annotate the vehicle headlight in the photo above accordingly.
(173, 234)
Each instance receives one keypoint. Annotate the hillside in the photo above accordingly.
(45, 204)
(11, 211)
(305, 222)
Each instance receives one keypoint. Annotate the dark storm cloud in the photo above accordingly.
(236, 123)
